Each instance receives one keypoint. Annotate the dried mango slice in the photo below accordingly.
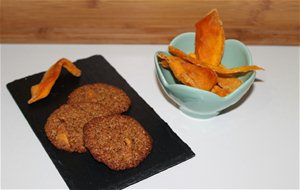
(229, 83)
(204, 78)
(226, 85)
(42, 89)
(236, 70)
(178, 53)
(192, 55)
(190, 74)
(210, 38)
(165, 64)
(220, 69)
(220, 91)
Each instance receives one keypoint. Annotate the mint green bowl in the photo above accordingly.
(200, 103)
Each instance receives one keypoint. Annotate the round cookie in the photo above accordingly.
(107, 95)
(119, 141)
(93, 110)
(64, 127)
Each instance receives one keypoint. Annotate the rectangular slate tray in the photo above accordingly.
(81, 171)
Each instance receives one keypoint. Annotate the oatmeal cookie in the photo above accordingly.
(118, 141)
(64, 127)
(107, 95)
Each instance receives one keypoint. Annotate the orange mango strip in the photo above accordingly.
(209, 39)
(200, 77)
(219, 69)
(220, 91)
(42, 90)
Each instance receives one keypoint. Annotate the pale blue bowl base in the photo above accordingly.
(198, 115)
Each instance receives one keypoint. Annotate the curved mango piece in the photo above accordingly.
(220, 69)
(189, 74)
(210, 38)
(42, 90)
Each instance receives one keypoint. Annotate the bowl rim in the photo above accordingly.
(165, 84)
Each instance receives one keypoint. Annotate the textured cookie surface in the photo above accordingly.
(110, 96)
(119, 141)
(64, 127)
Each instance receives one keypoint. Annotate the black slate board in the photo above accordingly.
(81, 171)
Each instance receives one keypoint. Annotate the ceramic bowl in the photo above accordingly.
(200, 103)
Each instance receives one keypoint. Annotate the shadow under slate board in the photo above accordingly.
(81, 171)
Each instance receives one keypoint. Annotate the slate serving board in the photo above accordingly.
(81, 171)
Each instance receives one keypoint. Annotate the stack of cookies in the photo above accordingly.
(92, 120)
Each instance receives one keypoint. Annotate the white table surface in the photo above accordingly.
(255, 145)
